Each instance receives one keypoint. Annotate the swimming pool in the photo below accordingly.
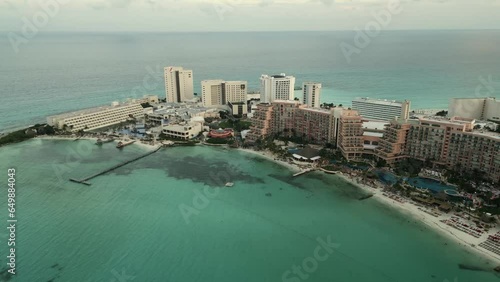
(386, 177)
(430, 184)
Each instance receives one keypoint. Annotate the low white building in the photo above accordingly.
(98, 117)
(183, 131)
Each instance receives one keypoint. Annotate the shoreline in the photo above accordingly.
(269, 156)
(408, 208)
(70, 138)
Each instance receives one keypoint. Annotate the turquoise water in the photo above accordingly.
(426, 183)
(431, 184)
(58, 72)
(129, 221)
(386, 177)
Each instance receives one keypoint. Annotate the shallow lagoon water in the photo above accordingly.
(129, 222)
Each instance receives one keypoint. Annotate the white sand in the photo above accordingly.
(270, 156)
(411, 209)
(433, 222)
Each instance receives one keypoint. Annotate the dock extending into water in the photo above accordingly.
(84, 180)
(303, 171)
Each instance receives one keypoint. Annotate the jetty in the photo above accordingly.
(84, 180)
(366, 197)
(303, 171)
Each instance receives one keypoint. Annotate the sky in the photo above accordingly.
(246, 15)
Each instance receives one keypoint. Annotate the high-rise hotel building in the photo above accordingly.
(312, 92)
(220, 92)
(451, 142)
(336, 126)
(476, 108)
(276, 87)
(384, 110)
(178, 84)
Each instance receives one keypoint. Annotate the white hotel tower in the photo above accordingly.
(312, 92)
(276, 87)
(220, 92)
(383, 110)
(178, 84)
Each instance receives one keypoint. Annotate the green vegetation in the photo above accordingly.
(28, 133)
(237, 125)
(223, 114)
(146, 105)
(327, 105)
(17, 136)
(409, 167)
(442, 113)
(219, 141)
(381, 163)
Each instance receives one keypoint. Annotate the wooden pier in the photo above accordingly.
(84, 180)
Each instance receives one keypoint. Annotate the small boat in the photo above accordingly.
(229, 184)
(122, 144)
(99, 141)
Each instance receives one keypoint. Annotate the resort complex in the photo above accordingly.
(449, 142)
(433, 164)
(99, 117)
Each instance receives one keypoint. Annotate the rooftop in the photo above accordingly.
(308, 152)
(453, 120)
(318, 110)
(380, 101)
(374, 134)
(491, 134)
(97, 109)
(374, 125)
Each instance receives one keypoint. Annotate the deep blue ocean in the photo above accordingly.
(58, 72)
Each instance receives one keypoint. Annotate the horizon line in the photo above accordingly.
(249, 31)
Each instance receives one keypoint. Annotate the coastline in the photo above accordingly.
(269, 156)
(71, 138)
(408, 208)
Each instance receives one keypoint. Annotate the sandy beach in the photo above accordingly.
(270, 156)
(467, 241)
(409, 208)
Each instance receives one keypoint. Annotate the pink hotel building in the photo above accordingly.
(451, 142)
